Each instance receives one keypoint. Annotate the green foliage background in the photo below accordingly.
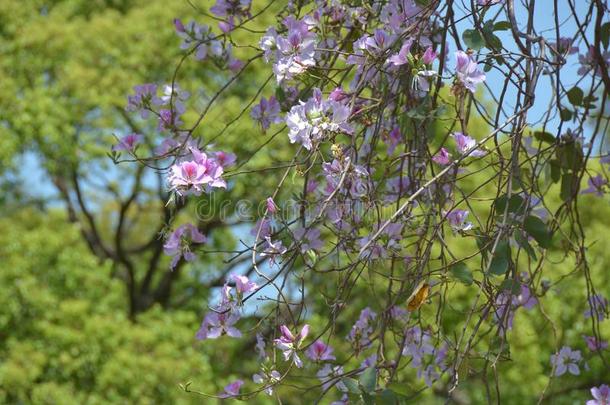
(65, 337)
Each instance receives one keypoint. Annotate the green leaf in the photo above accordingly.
(473, 39)
(511, 285)
(387, 397)
(575, 95)
(538, 230)
(368, 379)
(400, 389)
(565, 114)
(368, 399)
(604, 34)
(515, 203)
(567, 186)
(502, 26)
(493, 41)
(544, 137)
(501, 259)
(461, 272)
(352, 385)
(570, 156)
(524, 243)
(555, 170)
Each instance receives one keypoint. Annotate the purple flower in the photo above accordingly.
(418, 343)
(266, 112)
(443, 157)
(397, 14)
(590, 61)
(596, 185)
(175, 96)
(290, 344)
(370, 361)
(319, 351)
(273, 249)
(195, 35)
(232, 390)
(468, 72)
(224, 159)
(429, 374)
(507, 303)
(601, 395)
(143, 100)
(260, 346)
(178, 243)
(243, 284)
(308, 239)
(194, 176)
(262, 228)
(168, 120)
(457, 220)
(331, 375)
(354, 181)
(466, 145)
(564, 46)
(598, 306)
(217, 324)
(401, 58)
(268, 378)
(362, 329)
(231, 8)
(392, 139)
(566, 360)
(128, 142)
(594, 344)
(291, 54)
(179, 26)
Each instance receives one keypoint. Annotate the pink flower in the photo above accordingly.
(594, 344)
(225, 159)
(429, 55)
(216, 324)
(319, 351)
(401, 58)
(457, 220)
(271, 207)
(243, 285)
(601, 395)
(232, 390)
(273, 249)
(443, 157)
(128, 142)
(194, 176)
(466, 145)
(289, 344)
(468, 72)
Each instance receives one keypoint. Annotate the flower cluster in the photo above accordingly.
(316, 119)
(178, 244)
(222, 319)
(197, 174)
(292, 53)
